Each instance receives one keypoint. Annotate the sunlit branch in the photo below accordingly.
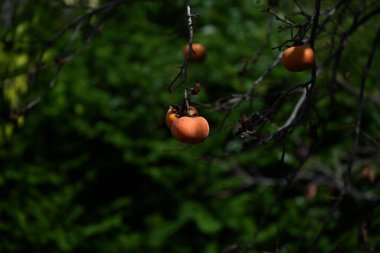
(295, 111)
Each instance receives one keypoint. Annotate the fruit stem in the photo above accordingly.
(191, 30)
(190, 52)
(185, 98)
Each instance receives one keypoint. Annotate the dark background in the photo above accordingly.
(87, 163)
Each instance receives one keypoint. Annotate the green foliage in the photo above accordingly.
(93, 168)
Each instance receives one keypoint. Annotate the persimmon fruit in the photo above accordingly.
(311, 191)
(368, 174)
(190, 129)
(172, 115)
(198, 55)
(298, 58)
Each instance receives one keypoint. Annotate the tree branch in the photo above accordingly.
(359, 113)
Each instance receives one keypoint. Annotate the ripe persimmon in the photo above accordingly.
(172, 115)
(198, 55)
(368, 174)
(298, 58)
(191, 130)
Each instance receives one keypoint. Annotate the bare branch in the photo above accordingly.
(77, 24)
(284, 20)
(350, 88)
(302, 11)
(359, 113)
(263, 75)
(295, 111)
(183, 73)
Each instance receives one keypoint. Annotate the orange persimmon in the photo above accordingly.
(191, 130)
(198, 55)
(298, 58)
(368, 174)
(172, 115)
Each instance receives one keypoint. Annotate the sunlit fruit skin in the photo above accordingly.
(192, 111)
(298, 58)
(198, 55)
(190, 130)
(172, 115)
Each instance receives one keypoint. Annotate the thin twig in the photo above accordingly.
(313, 37)
(190, 52)
(183, 73)
(234, 101)
(338, 54)
(82, 17)
(353, 90)
(318, 175)
(328, 14)
(359, 113)
(302, 11)
(77, 24)
(284, 20)
(264, 75)
(295, 111)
